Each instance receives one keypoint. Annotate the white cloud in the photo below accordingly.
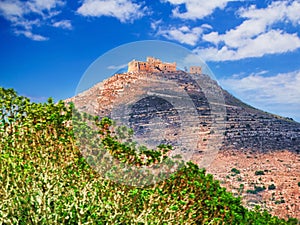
(65, 24)
(276, 11)
(183, 34)
(258, 88)
(255, 37)
(271, 42)
(117, 67)
(155, 24)
(43, 7)
(196, 9)
(15, 10)
(26, 15)
(30, 35)
(11, 9)
(280, 93)
(124, 10)
(206, 26)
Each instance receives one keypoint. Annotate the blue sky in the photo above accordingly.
(252, 47)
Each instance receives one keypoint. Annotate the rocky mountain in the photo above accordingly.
(194, 109)
(243, 127)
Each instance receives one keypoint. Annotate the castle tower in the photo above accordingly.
(195, 70)
(133, 66)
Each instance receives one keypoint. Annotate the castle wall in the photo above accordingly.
(151, 65)
(133, 66)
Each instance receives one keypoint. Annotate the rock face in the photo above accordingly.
(243, 127)
(250, 128)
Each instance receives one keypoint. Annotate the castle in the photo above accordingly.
(151, 65)
(196, 70)
(156, 65)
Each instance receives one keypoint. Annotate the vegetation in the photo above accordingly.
(44, 178)
(259, 172)
(235, 171)
(272, 187)
(279, 201)
(256, 189)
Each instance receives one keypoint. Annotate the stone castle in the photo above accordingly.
(156, 65)
(195, 70)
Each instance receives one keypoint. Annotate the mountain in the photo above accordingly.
(248, 139)
(243, 127)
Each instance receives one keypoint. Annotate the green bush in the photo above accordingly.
(259, 172)
(259, 189)
(251, 192)
(236, 171)
(272, 187)
(279, 201)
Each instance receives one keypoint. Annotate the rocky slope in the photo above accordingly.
(243, 127)
(250, 140)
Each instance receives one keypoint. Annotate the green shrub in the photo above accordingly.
(259, 172)
(279, 201)
(251, 192)
(272, 187)
(236, 171)
(259, 189)
(256, 190)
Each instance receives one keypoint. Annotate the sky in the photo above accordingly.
(252, 47)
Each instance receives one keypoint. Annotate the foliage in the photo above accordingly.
(279, 201)
(256, 189)
(235, 171)
(259, 172)
(44, 178)
(272, 187)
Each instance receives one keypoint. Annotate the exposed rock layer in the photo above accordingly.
(244, 127)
